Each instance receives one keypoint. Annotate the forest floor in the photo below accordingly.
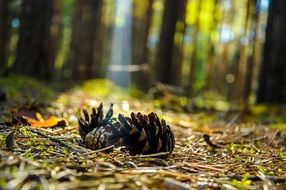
(213, 149)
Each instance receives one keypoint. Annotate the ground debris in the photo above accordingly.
(239, 156)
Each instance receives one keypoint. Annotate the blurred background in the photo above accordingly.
(235, 49)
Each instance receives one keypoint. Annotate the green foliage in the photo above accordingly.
(23, 88)
(206, 17)
(102, 88)
(2, 140)
(135, 92)
(211, 101)
(275, 114)
(244, 183)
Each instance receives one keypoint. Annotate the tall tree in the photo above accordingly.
(4, 32)
(195, 37)
(141, 23)
(164, 58)
(272, 81)
(252, 58)
(211, 54)
(38, 37)
(241, 67)
(179, 43)
(85, 27)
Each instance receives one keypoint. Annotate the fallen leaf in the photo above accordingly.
(30, 115)
(41, 122)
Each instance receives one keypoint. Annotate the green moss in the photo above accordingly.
(279, 126)
(2, 140)
(244, 183)
(100, 87)
(211, 101)
(19, 87)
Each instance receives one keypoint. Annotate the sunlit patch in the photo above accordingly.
(230, 78)
(226, 34)
(125, 106)
(15, 23)
(72, 118)
(92, 102)
(121, 43)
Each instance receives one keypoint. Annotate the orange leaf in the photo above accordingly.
(51, 122)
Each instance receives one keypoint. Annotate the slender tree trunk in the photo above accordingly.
(211, 55)
(243, 57)
(87, 14)
(140, 32)
(164, 58)
(230, 66)
(272, 82)
(99, 42)
(252, 60)
(179, 43)
(105, 38)
(195, 37)
(4, 33)
(36, 46)
(148, 21)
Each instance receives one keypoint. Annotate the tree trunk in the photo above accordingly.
(140, 32)
(87, 14)
(99, 41)
(148, 21)
(211, 55)
(37, 44)
(164, 58)
(195, 37)
(252, 59)
(243, 58)
(272, 82)
(179, 43)
(4, 32)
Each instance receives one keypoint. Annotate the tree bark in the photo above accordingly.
(140, 33)
(85, 26)
(164, 58)
(4, 32)
(37, 46)
(252, 59)
(272, 81)
(179, 43)
(211, 55)
(195, 36)
(241, 71)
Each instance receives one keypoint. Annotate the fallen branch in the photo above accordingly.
(151, 155)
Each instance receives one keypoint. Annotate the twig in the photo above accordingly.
(161, 171)
(194, 165)
(151, 155)
(209, 142)
(99, 150)
(170, 183)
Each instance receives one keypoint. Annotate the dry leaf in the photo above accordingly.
(41, 122)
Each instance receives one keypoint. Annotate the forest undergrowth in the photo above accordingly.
(213, 149)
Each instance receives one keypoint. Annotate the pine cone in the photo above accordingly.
(94, 121)
(140, 134)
